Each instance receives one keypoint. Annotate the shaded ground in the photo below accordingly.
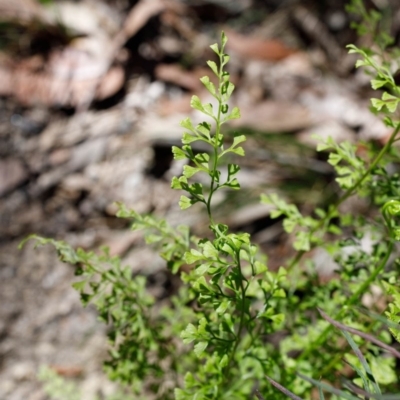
(70, 147)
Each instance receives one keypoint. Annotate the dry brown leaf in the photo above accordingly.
(189, 80)
(110, 83)
(68, 79)
(41, 88)
(174, 73)
(67, 371)
(256, 48)
(274, 116)
(167, 107)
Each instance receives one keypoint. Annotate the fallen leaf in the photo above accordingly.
(67, 371)
(69, 78)
(174, 73)
(256, 48)
(181, 105)
(274, 116)
(110, 83)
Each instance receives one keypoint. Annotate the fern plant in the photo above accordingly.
(222, 350)
(213, 338)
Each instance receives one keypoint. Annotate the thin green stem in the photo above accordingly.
(374, 164)
(215, 143)
(212, 188)
(222, 293)
(221, 339)
(242, 317)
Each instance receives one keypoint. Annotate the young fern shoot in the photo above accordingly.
(203, 132)
(227, 274)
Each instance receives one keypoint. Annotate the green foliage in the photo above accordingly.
(237, 329)
(142, 342)
(393, 312)
(59, 388)
(370, 22)
(56, 387)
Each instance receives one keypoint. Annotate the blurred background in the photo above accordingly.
(91, 95)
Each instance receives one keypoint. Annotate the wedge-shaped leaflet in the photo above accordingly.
(199, 348)
(235, 114)
(378, 83)
(178, 153)
(213, 67)
(233, 169)
(210, 251)
(185, 202)
(214, 47)
(208, 109)
(204, 128)
(391, 102)
(233, 148)
(188, 138)
(196, 103)
(227, 89)
(189, 334)
(205, 80)
(179, 183)
(187, 124)
(233, 184)
(189, 171)
(202, 159)
(193, 256)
